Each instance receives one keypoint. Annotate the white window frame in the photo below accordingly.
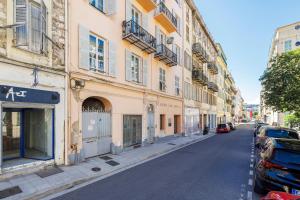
(177, 85)
(97, 5)
(136, 69)
(162, 79)
(96, 67)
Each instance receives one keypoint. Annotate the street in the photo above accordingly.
(216, 168)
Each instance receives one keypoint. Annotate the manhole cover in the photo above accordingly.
(10, 192)
(96, 169)
(49, 172)
(171, 144)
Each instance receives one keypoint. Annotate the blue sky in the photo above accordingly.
(245, 29)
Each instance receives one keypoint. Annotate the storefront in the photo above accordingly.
(28, 124)
(192, 120)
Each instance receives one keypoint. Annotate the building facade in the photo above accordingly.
(32, 83)
(286, 38)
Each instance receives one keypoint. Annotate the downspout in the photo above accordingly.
(67, 84)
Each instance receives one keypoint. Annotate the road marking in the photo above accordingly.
(251, 172)
(250, 182)
(252, 156)
(251, 165)
(249, 195)
(252, 160)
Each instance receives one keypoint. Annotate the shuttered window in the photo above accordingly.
(99, 4)
(31, 33)
(162, 79)
(177, 86)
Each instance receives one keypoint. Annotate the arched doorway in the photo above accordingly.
(150, 124)
(96, 126)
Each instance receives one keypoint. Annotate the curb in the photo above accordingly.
(86, 181)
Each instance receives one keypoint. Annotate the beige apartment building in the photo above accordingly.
(32, 84)
(286, 38)
(199, 72)
(125, 75)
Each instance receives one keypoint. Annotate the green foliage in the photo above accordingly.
(281, 82)
(292, 120)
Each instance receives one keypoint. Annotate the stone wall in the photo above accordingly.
(58, 33)
(2, 23)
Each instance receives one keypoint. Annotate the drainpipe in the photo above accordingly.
(67, 84)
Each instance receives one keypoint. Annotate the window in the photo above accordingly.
(187, 33)
(288, 45)
(177, 88)
(135, 68)
(187, 15)
(162, 79)
(162, 122)
(135, 15)
(187, 61)
(177, 51)
(32, 32)
(96, 53)
(98, 4)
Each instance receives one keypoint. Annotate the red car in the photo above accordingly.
(223, 128)
(280, 196)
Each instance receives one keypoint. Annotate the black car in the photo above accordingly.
(266, 132)
(232, 127)
(278, 167)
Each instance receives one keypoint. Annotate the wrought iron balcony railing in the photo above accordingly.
(165, 17)
(212, 86)
(138, 36)
(213, 67)
(165, 55)
(199, 77)
(200, 52)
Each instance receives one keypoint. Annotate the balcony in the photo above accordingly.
(213, 67)
(199, 52)
(165, 17)
(213, 87)
(165, 55)
(138, 36)
(200, 77)
(148, 5)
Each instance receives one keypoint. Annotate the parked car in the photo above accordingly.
(223, 128)
(257, 127)
(280, 196)
(231, 125)
(278, 167)
(274, 132)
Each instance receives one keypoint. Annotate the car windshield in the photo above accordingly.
(222, 126)
(282, 134)
(285, 156)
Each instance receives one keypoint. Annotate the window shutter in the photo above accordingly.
(140, 69)
(110, 7)
(84, 45)
(145, 72)
(145, 21)
(157, 35)
(44, 42)
(112, 58)
(128, 65)
(21, 36)
(128, 10)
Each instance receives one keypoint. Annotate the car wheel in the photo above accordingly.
(257, 188)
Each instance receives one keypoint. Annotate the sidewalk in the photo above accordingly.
(57, 179)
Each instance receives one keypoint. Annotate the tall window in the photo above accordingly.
(187, 33)
(97, 4)
(162, 79)
(135, 68)
(31, 33)
(97, 53)
(177, 87)
(187, 15)
(288, 45)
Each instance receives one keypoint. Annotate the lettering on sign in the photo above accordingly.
(12, 93)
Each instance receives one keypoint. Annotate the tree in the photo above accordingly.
(281, 83)
(292, 120)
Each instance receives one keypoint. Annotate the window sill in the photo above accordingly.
(31, 51)
(101, 11)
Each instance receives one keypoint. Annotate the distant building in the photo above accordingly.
(286, 38)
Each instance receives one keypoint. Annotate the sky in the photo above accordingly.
(245, 29)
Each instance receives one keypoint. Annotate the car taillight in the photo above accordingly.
(269, 165)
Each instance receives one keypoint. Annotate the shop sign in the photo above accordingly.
(18, 94)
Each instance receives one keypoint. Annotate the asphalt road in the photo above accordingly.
(213, 169)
